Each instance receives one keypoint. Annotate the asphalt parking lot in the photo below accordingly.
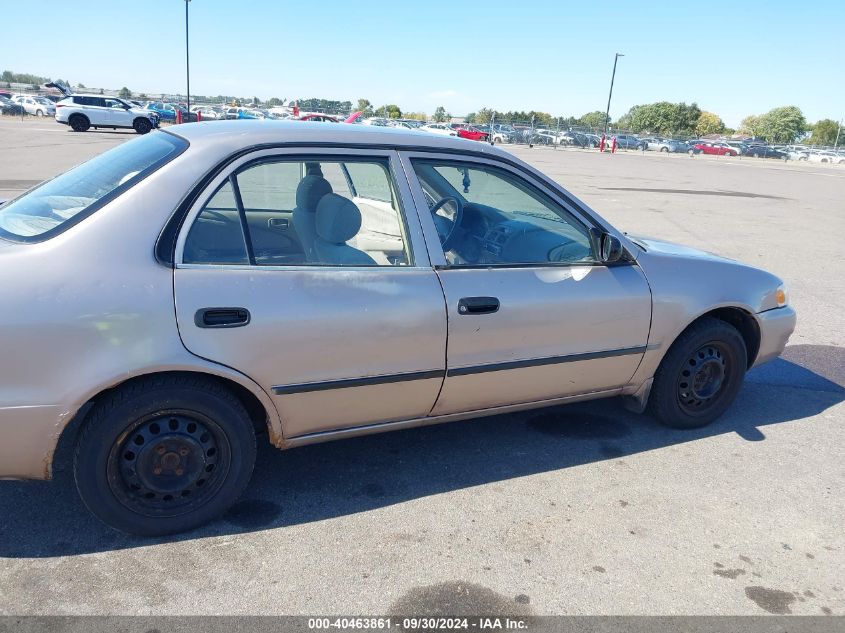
(584, 509)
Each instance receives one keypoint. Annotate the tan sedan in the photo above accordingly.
(322, 281)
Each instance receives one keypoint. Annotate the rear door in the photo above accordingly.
(353, 336)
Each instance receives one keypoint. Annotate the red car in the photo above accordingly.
(719, 149)
(322, 118)
(471, 133)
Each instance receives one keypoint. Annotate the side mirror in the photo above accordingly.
(610, 249)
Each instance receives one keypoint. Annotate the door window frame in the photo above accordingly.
(435, 248)
(415, 242)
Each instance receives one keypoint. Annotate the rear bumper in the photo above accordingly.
(28, 437)
(776, 326)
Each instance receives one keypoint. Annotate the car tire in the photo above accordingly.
(142, 125)
(756, 155)
(79, 123)
(164, 455)
(691, 152)
(700, 375)
(39, 113)
(664, 149)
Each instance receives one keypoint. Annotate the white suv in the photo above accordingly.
(82, 112)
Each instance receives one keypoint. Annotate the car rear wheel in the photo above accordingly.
(39, 113)
(164, 455)
(79, 123)
(691, 152)
(142, 126)
(700, 375)
(664, 149)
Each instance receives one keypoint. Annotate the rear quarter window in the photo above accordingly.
(58, 204)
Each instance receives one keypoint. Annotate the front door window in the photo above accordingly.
(487, 216)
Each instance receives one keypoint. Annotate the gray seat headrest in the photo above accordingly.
(310, 190)
(338, 219)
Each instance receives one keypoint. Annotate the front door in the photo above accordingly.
(532, 314)
(302, 272)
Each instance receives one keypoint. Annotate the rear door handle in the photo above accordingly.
(478, 305)
(281, 224)
(221, 317)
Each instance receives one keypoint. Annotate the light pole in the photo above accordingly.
(612, 77)
(187, 57)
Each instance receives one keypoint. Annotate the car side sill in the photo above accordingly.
(381, 427)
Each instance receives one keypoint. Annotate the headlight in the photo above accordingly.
(782, 296)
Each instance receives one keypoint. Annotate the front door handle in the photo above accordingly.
(280, 224)
(478, 305)
(221, 317)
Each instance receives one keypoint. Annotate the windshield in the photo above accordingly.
(60, 203)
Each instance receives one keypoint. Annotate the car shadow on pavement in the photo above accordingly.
(313, 483)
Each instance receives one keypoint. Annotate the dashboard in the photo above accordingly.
(488, 236)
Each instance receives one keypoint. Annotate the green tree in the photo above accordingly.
(102, 91)
(365, 107)
(274, 101)
(125, 93)
(483, 116)
(750, 125)
(80, 85)
(390, 111)
(661, 118)
(470, 118)
(709, 123)
(824, 132)
(440, 114)
(783, 125)
(594, 120)
(143, 96)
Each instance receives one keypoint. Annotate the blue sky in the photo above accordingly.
(733, 58)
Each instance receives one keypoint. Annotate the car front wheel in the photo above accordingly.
(164, 455)
(700, 375)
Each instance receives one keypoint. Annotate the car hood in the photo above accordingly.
(670, 248)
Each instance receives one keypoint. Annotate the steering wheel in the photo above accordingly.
(446, 228)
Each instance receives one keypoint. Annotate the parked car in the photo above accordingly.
(626, 141)
(169, 254)
(797, 153)
(167, 111)
(82, 112)
(503, 133)
(208, 113)
(472, 133)
(667, 145)
(7, 106)
(35, 105)
(718, 149)
(824, 156)
(440, 129)
(318, 118)
(764, 151)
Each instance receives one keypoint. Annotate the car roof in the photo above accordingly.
(233, 135)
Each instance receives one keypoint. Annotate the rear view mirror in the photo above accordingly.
(611, 249)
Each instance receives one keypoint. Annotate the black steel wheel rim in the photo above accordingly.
(703, 378)
(169, 463)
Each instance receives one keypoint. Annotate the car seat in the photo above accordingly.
(308, 193)
(338, 221)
